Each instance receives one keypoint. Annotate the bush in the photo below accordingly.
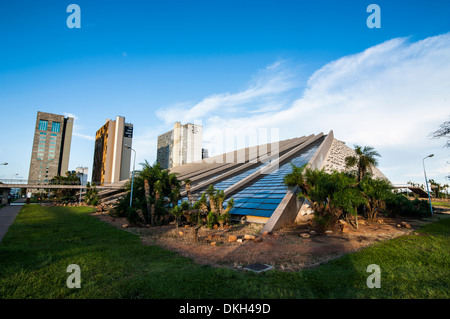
(399, 205)
(323, 223)
(91, 196)
(120, 209)
(224, 218)
(133, 216)
(211, 220)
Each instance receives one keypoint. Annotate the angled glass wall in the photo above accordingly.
(263, 196)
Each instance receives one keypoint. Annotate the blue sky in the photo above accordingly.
(301, 66)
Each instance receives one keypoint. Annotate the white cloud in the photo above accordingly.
(71, 115)
(84, 136)
(269, 83)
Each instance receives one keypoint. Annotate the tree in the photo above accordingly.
(91, 197)
(147, 176)
(155, 191)
(364, 159)
(70, 178)
(375, 192)
(177, 212)
(331, 196)
(187, 186)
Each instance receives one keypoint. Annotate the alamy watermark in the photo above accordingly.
(74, 19)
(74, 280)
(246, 145)
(374, 20)
(374, 280)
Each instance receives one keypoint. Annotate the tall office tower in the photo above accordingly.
(83, 172)
(180, 146)
(111, 158)
(51, 147)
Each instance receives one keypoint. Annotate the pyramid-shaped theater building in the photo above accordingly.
(253, 176)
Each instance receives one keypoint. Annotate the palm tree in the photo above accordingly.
(212, 200)
(177, 212)
(297, 178)
(364, 160)
(158, 187)
(147, 175)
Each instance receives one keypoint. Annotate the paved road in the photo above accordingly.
(8, 214)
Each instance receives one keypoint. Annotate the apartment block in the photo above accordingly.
(51, 147)
(112, 158)
(180, 146)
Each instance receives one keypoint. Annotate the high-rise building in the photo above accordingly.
(51, 147)
(111, 158)
(83, 173)
(180, 146)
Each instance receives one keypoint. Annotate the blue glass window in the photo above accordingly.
(56, 127)
(43, 125)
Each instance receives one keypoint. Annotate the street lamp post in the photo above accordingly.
(81, 185)
(132, 174)
(426, 182)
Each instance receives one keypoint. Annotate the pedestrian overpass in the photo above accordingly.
(415, 189)
(7, 184)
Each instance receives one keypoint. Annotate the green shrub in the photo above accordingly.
(92, 197)
(399, 205)
(211, 219)
(132, 216)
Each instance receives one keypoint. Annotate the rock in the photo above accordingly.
(305, 235)
(267, 233)
(257, 240)
(406, 225)
(328, 232)
(239, 240)
(125, 226)
(232, 238)
(313, 232)
(148, 226)
(180, 233)
(249, 237)
(344, 228)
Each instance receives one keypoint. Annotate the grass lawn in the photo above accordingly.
(43, 241)
(445, 204)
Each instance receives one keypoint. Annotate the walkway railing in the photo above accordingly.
(25, 183)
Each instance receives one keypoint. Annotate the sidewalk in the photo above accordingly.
(8, 214)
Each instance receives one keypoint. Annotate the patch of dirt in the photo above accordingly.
(290, 249)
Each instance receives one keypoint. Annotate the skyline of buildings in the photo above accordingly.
(51, 147)
(112, 149)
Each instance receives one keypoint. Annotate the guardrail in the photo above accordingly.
(25, 183)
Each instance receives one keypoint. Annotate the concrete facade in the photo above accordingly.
(51, 147)
(111, 158)
(180, 146)
(335, 159)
